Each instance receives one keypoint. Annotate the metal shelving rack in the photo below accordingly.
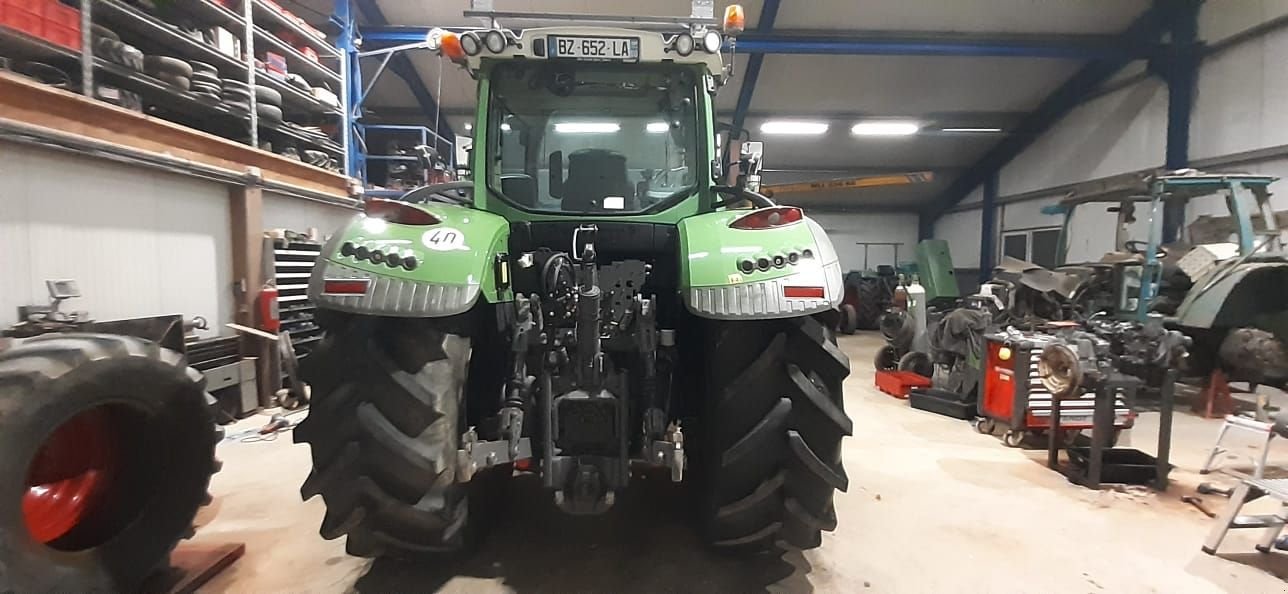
(163, 38)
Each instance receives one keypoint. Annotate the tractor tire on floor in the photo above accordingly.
(773, 429)
(107, 445)
(384, 428)
(870, 303)
(849, 319)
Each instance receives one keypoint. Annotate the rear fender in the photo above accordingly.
(1250, 295)
(713, 286)
(456, 264)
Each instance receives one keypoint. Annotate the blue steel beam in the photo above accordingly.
(401, 65)
(768, 14)
(1148, 26)
(1180, 69)
(876, 44)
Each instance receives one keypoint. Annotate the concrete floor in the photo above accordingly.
(932, 507)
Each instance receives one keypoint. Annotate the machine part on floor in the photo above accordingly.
(918, 363)
(1060, 371)
(943, 402)
(604, 314)
(887, 359)
(1198, 504)
(1210, 489)
(849, 319)
(897, 328)
(81, 460)
(957, 351)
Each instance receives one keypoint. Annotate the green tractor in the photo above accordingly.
(593, 304)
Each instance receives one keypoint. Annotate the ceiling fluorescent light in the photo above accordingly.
(587, 127)
(657, 127)
(973, 130)
(793, 127)
(885, 128)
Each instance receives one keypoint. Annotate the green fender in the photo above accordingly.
(713, 286)
(1250, 294)
(456, 263)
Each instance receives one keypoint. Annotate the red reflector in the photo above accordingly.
(345, 286)
(804, 292)
(398, 212)
(768, 218)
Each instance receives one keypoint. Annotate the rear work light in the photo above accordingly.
(768, 218)
(345, 286)
(804, 292)
(401, 213)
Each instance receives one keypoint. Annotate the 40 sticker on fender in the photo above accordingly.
(444, 239)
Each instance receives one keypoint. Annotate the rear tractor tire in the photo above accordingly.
(107, 445)
(774, 423)
(384, 428)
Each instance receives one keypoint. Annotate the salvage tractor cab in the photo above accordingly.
(595, 300)
(1221, 281)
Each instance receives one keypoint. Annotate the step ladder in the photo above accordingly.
(1251, 489)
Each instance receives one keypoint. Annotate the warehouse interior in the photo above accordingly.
(835, 296)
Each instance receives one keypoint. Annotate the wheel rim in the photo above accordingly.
(71, 475)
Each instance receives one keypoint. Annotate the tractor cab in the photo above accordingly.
(1148, 275)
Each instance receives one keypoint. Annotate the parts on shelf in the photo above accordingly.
(175, 60)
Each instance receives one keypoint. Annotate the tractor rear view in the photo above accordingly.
(595, 301)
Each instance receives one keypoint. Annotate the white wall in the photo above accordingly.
(139, 243)
(961, 231)
(846, 229)
(1123, 131)
(284, 212)
(1240, 103)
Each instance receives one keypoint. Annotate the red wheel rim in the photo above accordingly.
(70, 475)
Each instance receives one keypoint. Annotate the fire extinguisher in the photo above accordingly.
(270, 319)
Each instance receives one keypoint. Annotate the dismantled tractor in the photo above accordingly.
(592, 302)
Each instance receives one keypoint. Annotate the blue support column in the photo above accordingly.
(988, 231)
(1180, 69)
(351, 131)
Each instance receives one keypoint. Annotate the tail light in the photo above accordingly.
(768, 218)
(804, 292)
(399, 212)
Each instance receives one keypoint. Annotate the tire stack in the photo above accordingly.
(172, 71)
(268, 104)
(205, 81)
(236, 94)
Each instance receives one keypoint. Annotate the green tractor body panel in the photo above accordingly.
(1238, 295)
(935, 269)
(794, 269)
(456, 262)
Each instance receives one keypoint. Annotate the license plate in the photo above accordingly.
(603, 49)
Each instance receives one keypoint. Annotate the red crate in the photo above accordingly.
(36, 6)
(68, 37)
(900, 383)
(21, 19)
(61, 14)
